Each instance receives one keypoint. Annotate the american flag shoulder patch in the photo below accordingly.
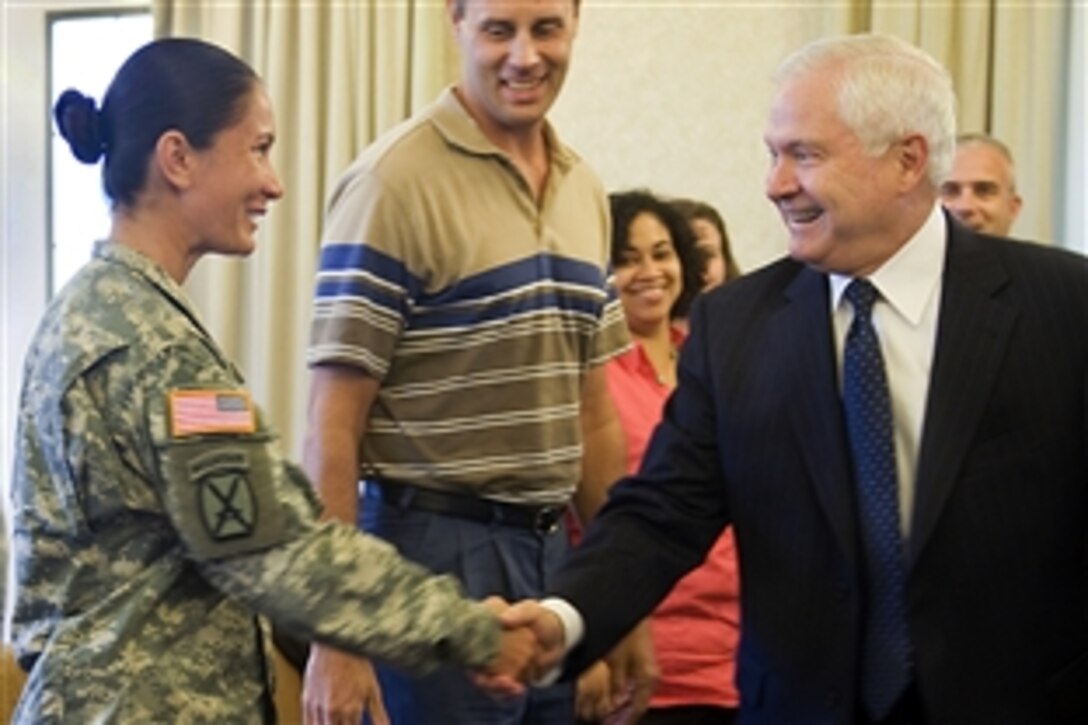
(203, 412)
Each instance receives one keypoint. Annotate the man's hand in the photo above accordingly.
(506, 674)
(633, 669)
(338, 688)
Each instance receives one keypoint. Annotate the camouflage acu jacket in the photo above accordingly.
(154, 517)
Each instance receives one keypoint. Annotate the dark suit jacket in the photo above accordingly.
(754, 435)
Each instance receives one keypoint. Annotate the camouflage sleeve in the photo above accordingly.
(248, 518)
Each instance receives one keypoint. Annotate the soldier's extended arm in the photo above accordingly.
(249, 519)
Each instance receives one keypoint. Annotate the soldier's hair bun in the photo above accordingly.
(81, 125)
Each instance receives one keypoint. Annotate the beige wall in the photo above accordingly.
(676, 101)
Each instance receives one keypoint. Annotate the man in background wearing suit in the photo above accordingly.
(981, 189)
(926, 564)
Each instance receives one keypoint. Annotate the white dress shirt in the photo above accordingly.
(905, 318)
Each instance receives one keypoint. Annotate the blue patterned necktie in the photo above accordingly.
(886, 651)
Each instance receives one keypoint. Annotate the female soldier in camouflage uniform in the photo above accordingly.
(154, 514)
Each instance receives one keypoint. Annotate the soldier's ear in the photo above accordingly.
(175, 159)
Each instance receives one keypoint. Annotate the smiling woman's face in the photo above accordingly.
(236, 181)
(648, 275)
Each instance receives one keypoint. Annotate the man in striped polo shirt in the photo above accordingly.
(462, 319)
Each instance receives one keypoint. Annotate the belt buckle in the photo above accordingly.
(546, 520)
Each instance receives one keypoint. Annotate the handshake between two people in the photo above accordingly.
(532, 649)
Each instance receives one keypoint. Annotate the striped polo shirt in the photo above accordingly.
(477, 307)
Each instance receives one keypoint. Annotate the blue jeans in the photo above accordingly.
(488, 559)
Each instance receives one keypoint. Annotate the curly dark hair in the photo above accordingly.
(627, 205)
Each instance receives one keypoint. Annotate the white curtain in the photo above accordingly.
(1074, 192)
(1009, 63)
(338, 74)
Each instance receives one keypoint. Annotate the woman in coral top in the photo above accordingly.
(695, 629)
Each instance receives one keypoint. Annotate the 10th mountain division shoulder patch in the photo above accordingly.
(228, 506)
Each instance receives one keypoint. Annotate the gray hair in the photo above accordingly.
(886, 89)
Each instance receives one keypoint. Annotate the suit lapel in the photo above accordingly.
(972, 333)
(802, 334)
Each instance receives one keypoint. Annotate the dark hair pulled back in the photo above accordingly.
(80, 124)
(174, 83)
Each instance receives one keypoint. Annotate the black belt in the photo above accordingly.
(541, 519)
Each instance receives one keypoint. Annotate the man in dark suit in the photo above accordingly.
(977, 611)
